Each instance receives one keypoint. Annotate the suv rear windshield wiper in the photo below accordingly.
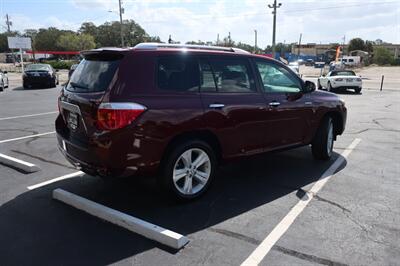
(76, 85)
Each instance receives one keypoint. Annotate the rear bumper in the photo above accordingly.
(352, 85)
(111, 156)
(32, 81)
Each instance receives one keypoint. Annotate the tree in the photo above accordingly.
(108, 33)
(245, 46)
(75, 42)
(369, 47)
(356, 44)
(46, 39)
(383, 56)
(199, 42)
(88, 28)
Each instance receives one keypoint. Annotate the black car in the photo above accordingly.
(39, 75)
(71, 70)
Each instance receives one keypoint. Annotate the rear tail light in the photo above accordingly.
(111, 116)
(339, 79)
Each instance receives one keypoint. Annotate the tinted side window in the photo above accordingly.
(207, 82)
(178, 73)
(277, 79)
(232, 75)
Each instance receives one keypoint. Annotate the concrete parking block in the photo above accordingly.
(18, 164)
(146, 229)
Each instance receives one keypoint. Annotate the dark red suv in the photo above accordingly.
(176, 112)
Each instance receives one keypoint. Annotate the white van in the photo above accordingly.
(350, 60)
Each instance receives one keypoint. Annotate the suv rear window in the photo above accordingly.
(93, 75)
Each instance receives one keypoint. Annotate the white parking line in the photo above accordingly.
(262, 250)
(27, 137)
(146, 229)
(19, 164)
(79, 173)
(22, 116)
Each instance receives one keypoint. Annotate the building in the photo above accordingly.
(318, 50)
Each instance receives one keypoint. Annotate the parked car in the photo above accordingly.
(177, 111)
(3, 80)
(319, 64)
(340, 80)
(39, 75)
(71, 70)
(309, 62)
(294, 66)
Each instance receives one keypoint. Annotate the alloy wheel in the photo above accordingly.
(191, 171)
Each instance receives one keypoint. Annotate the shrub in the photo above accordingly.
(383, 56)
(61, 64)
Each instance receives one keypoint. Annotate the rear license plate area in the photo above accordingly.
(73, 120)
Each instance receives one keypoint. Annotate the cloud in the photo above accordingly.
(186, 20)
(95, 4)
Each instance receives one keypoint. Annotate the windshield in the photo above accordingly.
(92, 75)
(37, 67)
(343, 73)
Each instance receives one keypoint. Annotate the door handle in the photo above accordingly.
(274, 104)
(217, 105)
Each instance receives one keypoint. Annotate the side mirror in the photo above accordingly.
(309, 86)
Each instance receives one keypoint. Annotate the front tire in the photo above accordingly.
(188, 169)
(322, 145)
(329, 87)
(319, 85)
(357, 90)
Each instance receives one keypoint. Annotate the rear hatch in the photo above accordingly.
(88, 86)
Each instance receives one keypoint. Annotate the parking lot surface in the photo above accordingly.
(353, 220)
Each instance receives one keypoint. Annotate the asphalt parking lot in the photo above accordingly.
(354, 219)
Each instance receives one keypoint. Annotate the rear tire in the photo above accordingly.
(2, 86)
(322, 144)
(188, 169)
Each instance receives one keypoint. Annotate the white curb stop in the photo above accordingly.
(146, 229)
(18, 164)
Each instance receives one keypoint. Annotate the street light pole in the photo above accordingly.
(274, 6)
(255, 41)
(121, 11)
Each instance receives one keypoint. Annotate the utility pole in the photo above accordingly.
(344, 42)
(8, 23)
(298, 50)
(229, 39)
(255, 41)
(217, 39)
(274, 6)
(121, 11)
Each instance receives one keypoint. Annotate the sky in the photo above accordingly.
(323, 21)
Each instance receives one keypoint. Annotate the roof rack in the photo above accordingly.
(155, 46)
